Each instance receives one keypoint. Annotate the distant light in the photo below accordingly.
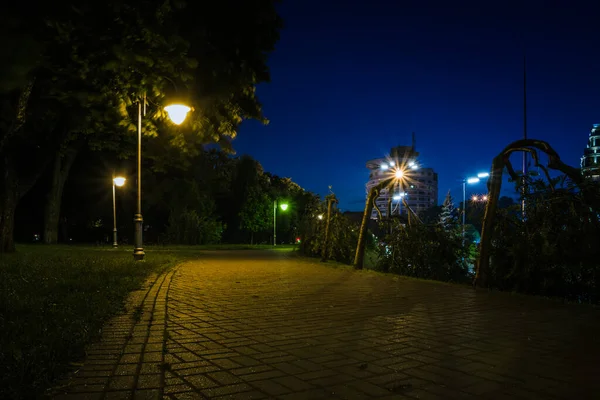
(283, 206)
(484, 198)
(472, 180)
(320, 216)
(177, 112)
(474, 198)
(483, 175)
(399, 196)
(384, 166)
(392, 165)
(414, 166)
(410, 164)
(119, 181)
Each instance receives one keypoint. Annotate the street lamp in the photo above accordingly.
(118, 181)
(470, 181)
(177, 113)
(284, 207)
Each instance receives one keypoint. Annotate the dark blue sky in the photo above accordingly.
(351, 79)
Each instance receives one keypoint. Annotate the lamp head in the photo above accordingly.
(119, 181)
(177, 113)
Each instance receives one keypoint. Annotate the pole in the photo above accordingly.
(274, 222)
(464, 213)
(115, 244)
(138, 251)
(524, 137)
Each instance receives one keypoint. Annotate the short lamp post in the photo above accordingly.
(118, 181)
(284, 207)
(470, 181)
(177, 114)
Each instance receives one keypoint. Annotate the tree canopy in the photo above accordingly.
(77, 71)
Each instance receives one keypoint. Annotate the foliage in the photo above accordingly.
(54, 301)
(431, 215)
(256, 213)
(475, 211)
(555, 251)
(79, 73)
(217, 192)
(424, 251)
(448, 219)
(343, 235)
(188, 227)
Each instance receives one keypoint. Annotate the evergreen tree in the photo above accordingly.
(449, 215)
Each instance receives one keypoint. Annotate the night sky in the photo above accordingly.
(351, 79)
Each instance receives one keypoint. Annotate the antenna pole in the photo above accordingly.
(524, 136)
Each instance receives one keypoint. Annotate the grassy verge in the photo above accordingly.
(220, 247)
(54, 300)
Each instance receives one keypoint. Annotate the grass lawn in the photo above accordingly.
(54, 300)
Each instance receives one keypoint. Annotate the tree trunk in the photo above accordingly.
(362, 234)
(330, 199)
(9, 198)
(60, 172)
(485, 244)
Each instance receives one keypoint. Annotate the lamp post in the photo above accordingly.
(118, 181)
(469, 181)
(177, 114)
(284, 207)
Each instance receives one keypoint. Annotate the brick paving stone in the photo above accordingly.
(266, 324)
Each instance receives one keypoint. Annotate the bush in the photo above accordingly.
(554, 252)
(424, 251)
(343, 237)
(187, 227)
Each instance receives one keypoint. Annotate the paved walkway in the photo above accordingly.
(253, 325)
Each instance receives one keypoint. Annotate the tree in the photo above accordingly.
(431, 215)
(255, 215)
(84, 77)
(448, 217)
(587, 192)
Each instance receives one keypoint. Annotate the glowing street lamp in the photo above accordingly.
(283, 207)
(320, 216)
(118, 181)
(177, 114)
(470, 181)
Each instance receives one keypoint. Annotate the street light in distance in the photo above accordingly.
(284, 207)
(117, 181)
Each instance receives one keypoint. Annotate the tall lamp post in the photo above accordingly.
(118, 181)
(177, 114)
(284, 207)
(469, 181)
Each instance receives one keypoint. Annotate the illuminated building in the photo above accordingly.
(420, 186)
(590, 165)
